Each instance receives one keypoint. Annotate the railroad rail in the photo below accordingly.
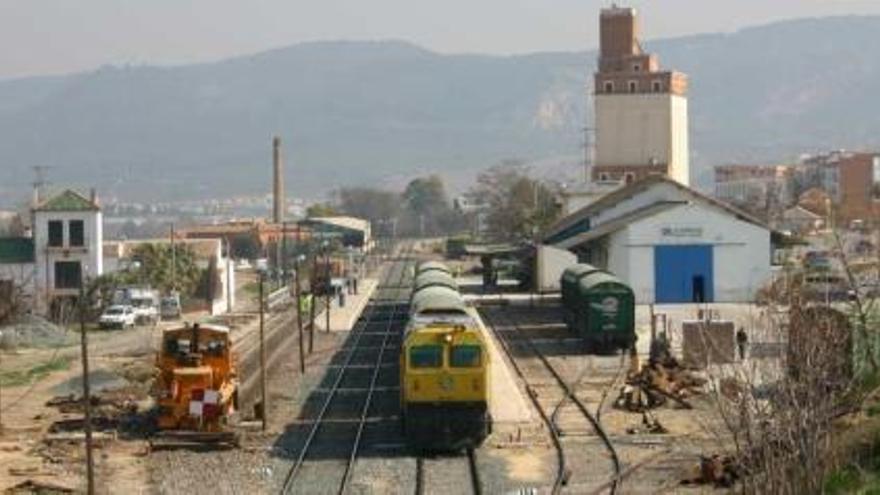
(569, 394)
(336, 393)
(473, 472)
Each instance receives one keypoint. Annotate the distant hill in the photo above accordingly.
(381, 112)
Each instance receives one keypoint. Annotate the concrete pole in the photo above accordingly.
(87, 398)
(312, 303)
(173, 261)
(277, 182)
(329, 288)
(299, 323)
(263, 398)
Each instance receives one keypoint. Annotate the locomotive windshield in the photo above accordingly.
(426, 356)
(465, 356)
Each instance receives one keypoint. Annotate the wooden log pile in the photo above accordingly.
(716, 470)
(657, 383)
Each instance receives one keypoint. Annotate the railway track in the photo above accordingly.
(444, 469)
(279, 327)
(544, 401)
(327, 457)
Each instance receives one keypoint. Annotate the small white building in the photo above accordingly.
(670, 243)
(67, 234)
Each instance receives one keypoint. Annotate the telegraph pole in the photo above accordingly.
(328, 288)
(173, 260)
(312, 266)
(299, 323)
(263, 398)
(87, 399)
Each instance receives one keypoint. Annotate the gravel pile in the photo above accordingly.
(34, 332)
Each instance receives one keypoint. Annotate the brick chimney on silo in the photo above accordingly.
(278, 182)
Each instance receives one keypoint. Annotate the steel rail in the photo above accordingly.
(533, 396)
(570, 394)
(349, 468)
(476, 484)
(290, 478)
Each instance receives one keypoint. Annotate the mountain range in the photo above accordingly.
(381, 112)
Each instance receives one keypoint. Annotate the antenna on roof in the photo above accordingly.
(40, 182)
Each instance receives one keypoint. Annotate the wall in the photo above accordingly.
(23, 275)
(741, 250)
(856, 183)
(636, 129)
(662, 191)
(679, 164)
(90, 256)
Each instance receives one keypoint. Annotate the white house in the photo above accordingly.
(67, 238)
(670, 243)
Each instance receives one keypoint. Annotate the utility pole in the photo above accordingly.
(299, 323)
(263, 399)
(173, 260)
(314, 264)
(283, 258)
(329, 287)
(87, 399)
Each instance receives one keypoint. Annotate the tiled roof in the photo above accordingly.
(16, 250)
(68, 201)
(628, 191)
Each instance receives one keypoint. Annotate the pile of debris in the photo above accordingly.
(656, 383)
(112, 411)
(718, 471)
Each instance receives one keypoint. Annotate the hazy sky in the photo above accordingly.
(56, 36)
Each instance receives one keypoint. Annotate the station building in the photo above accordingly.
(351, 231)
(670, 243)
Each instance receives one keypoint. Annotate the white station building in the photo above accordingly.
(671, 244)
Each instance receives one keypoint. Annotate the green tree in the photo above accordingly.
(371, 204)
(426, 195)
(516, 206)
(321, 210)
(427, 208)
(245, 245)
(166, 268)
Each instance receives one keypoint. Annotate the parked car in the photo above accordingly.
(143, 300)
(117, 316)
(146, 314)
(170, 307)
(262, 264)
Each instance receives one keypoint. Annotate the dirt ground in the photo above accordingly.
(121, 361)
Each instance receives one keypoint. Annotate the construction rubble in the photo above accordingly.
(661, 380)
(717, 470)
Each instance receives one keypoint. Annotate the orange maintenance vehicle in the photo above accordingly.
(196, 387)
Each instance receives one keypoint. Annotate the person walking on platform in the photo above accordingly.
(742, 341)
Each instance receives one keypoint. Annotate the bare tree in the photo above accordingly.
(780, 412)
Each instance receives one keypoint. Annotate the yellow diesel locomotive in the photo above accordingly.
(444, 366)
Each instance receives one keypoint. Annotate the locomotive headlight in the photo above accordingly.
(448, 338)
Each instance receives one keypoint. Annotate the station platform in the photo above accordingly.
(514, 419)
(343, 319)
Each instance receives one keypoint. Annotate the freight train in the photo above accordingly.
(599, 307)
(444, 367)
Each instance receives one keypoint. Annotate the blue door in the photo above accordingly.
(683, 274)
